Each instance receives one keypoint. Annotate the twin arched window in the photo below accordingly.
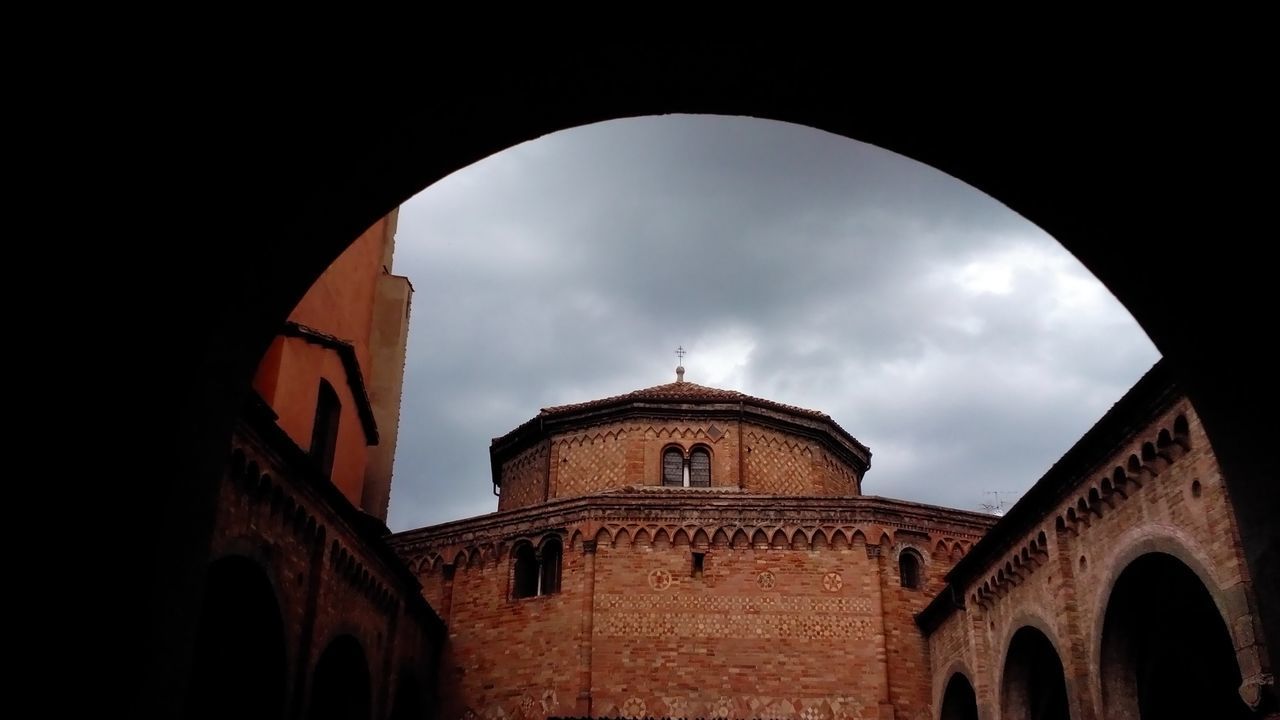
(681, 471)
(537, 572)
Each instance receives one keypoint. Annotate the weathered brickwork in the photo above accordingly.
(784, 464)
(782, 592)
(505, 658)
(630, 454)
(795, 620)
(592, 461)
(524, 479)
(777, 463)
(721, 439)
(833, 477)
(1158, 491)
(763, 633)
(754, 445)
(329, 577)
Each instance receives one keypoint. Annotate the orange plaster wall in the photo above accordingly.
(341, 304)
(301, 366)
(341, 301)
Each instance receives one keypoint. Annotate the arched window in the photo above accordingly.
(909, 569)
(537, 572)
(673, 467)
(549, 578)
(691, 471)
(700, 468)
(324, 431)
(525, 583)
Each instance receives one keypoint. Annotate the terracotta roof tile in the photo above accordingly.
(678, 393)
(682, 392)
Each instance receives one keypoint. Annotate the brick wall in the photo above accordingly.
(783, 464)
(766, 632)
(616, 455)
(720, 438)
(524, 479)
(787, 620)
(508, 658)
(329, 577)
(593, 460)
(1171, 502)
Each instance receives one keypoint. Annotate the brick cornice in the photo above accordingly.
(688, 507)
(258, 430)
(1153, 394)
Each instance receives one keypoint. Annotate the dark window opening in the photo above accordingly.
(700, 468)
(673, 468)
(324, 431)
(537, 572)
(909, 570)
(693, 471)
(549, 579)
(698, 560)
(526, 575)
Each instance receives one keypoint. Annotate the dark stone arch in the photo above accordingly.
(1165, 650)
(239, 668)
(1135, 467)
(340, 684)
(469, 115)
(1182, 431)
(959, 702)
(1034, 686)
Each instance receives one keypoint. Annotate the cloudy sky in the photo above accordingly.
(959, 341)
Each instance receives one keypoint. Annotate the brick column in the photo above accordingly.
(1075, 664)
(987, 694)
(583, 707)
(316, 577)
(876, 554)
(446, 595)
(389, 670)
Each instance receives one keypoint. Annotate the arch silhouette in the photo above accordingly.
(1033, 684)
(340, 683)
(1031, 168)
(1165, 649)
(959, 701)
(239, 665)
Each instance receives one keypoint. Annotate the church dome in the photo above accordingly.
(678, 435)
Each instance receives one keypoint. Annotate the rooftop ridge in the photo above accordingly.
(681, 390)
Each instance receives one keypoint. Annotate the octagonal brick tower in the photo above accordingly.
(680, 434)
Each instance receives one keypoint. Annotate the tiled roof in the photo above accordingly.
(682, 392)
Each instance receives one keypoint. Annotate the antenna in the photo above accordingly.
(998, 507)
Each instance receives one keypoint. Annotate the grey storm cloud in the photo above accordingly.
(959, 341)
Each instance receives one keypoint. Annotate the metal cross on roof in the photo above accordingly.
(680, 353)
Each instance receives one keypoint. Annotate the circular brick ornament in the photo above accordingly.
(634, 707)
(832, 581)
(766, 580)
(659, 579)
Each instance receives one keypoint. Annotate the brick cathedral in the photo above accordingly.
(687, 551)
